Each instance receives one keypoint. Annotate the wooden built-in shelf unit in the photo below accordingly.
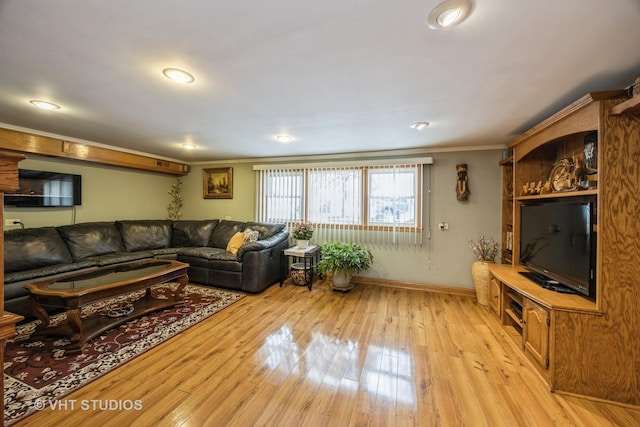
(580, 346)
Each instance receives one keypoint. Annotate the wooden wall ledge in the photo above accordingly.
(37, 144)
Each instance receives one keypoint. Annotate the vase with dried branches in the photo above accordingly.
(174, 210)
(485, 251)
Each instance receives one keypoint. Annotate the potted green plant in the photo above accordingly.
(485, 251)
(342, 260)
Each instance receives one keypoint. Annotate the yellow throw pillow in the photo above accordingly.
(236, 241)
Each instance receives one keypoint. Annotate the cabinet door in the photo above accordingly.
(495, 293)
(535, 332)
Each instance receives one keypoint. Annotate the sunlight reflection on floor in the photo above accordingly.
(385, 373)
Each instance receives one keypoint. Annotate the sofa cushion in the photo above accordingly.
(91, 239)
(235, 242)
(218, 260)
(46, 272)
(143, 235)
(120, 257)
(265, 229)
(223, 232)
(192, 233)
(164, 252)
(203, 252)
(251, 235)
(33, 248)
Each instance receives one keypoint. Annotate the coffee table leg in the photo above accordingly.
(39, 312)
(75, 324)
(178, 295)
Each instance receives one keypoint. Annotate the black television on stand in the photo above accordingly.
(558, 245)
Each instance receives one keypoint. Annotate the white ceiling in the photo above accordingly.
(339, 75)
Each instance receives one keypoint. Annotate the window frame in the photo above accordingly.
(365, 224)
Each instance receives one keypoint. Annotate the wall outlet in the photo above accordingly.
(228, 217)
(443, 225)
(11, 222)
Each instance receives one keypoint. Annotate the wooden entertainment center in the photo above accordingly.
(579, 345)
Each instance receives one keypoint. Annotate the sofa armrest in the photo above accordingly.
(261, 268)
(270, 242)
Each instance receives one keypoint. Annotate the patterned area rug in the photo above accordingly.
(38, 370)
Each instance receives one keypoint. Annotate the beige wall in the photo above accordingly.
(240, 208)
(445, 259)
(111, 193)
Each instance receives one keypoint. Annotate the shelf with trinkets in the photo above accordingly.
(565, 167)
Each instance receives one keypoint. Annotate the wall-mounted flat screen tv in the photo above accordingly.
(41, 189)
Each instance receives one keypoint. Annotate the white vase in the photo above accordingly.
(480, 274)
(302, 244)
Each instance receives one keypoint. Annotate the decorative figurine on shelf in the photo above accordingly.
(580, 173)
(546, 188)
(562, 175)
(590, 152)
(589, 173)
(534, 188)
(462, 188)
(538, 187)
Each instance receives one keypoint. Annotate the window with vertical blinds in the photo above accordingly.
(360, 202)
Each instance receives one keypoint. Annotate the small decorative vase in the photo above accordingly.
(480, 274)
(303, 244)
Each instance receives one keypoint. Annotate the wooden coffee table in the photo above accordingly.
(75, 290)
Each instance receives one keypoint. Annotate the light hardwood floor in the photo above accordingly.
(375, 356)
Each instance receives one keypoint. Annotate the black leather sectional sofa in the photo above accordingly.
(35, 254)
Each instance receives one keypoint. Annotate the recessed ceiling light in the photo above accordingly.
(178, 76)
(44, 105)
(448, 17)
(420, 125)
(284, 138)
(448, 13)
(189, 146)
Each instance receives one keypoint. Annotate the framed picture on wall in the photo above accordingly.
(217, 183)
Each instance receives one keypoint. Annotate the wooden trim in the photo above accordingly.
(9, 171)
(450, 290)
(598, 400)
(560, 194)
(556, 126)
(582, 120)
(629, 106)
(43, 145)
